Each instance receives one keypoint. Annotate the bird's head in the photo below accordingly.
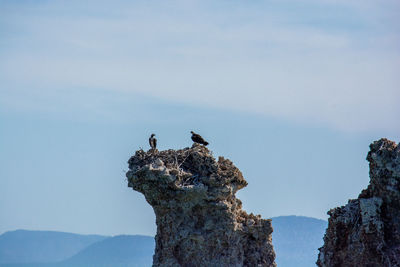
(191, 132)
(152, 135)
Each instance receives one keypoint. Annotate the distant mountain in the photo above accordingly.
(296, 240)
(123, 250)
(45, 249)
(24, 246)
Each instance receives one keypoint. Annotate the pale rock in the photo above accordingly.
(200, 222)
(366, 231)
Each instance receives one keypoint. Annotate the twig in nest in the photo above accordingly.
(184, 159)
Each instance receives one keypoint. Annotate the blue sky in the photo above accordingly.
(292, 91)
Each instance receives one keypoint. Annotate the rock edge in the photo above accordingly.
(200, 222)
(366, 231)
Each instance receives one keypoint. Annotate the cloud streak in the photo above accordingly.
(329, 64)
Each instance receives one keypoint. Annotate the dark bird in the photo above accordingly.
(198, 139)
(153, 141)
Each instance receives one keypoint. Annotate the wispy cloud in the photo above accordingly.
(326, 62)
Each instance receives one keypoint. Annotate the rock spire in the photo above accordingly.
(199, 220)
(366, 231)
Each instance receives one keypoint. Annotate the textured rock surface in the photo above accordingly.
(366, 232)
(199, 220)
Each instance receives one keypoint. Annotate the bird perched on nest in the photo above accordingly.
(198, 139)
(153, 142)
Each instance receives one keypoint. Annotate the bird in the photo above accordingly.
(198, 139)
(153, 142)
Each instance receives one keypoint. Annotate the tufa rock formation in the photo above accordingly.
(366, 232)
(199, 220)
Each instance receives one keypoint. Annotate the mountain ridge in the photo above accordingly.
(292, 250)
(24, 246)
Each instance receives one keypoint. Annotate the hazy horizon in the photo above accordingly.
(292, 91)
